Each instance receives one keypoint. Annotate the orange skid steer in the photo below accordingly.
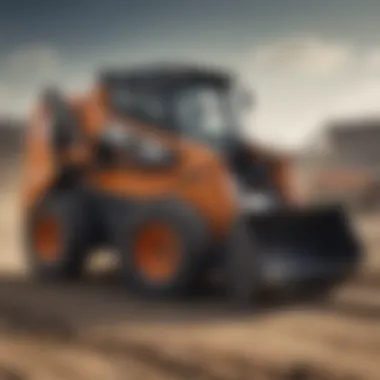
(152, 164)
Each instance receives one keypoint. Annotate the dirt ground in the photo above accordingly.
(97, 331)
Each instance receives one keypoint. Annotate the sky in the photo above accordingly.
(306, 61)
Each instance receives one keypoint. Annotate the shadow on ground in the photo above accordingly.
(102, 300)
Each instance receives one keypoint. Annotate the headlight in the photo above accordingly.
(152, 153)
(258, 201)
(117, 135)
(150, 149)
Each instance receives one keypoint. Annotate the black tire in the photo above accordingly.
(192, 234)
(242, 267)
(69, 210)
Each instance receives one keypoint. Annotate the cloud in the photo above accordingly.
(31, 66)
(359, 100)
(4, 91)
(372, 60)
(307, 55)
(38, 56)
(24, 72)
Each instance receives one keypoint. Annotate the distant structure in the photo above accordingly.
(350, 170)
(355, 142)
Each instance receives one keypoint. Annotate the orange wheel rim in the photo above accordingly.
(47, 238)
(157, 252)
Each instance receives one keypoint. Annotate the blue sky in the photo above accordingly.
(84, 28)
(306, 59)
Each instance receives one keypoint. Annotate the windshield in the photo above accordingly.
(207, 113)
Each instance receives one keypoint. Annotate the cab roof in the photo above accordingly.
(165, 74)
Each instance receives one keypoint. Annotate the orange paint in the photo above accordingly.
(47, 239)
(157, 252)
(39, 168)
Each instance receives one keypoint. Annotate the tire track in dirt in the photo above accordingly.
(46, 326)
(52, 360)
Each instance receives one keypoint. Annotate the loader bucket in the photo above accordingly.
(302, 245)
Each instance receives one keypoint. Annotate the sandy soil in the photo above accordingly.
(97, 331)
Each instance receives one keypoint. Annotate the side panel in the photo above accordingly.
(39, 170)
(41, 165)
(212, 192)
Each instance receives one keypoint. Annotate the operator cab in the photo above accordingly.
(196, 103)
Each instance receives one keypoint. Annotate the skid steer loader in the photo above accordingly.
(152, 164)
